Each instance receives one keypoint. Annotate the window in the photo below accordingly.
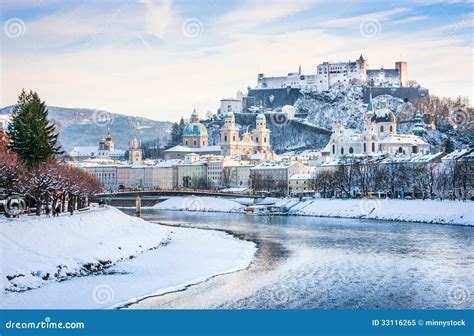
(342, 151)
(400, 150)
(334, 149)
(351, 150)
(373, 147)
(365, 147)
(194, 142)
(391, 128)
(225, 137)
(381, 128)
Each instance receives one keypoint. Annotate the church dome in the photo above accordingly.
(260, 117)
(229, 116)
(195, 129)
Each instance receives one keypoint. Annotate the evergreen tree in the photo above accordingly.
(177, 133)
(448, 145)
(32, 137)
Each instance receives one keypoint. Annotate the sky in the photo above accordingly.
(161, 58)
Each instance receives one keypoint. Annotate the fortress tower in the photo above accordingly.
(403, 70)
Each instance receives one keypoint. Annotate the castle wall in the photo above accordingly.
(281, 97)
(406, 93)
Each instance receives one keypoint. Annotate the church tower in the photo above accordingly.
(261, 135)
(135, 155)
(229, 136)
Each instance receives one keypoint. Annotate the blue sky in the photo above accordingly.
(160, 58)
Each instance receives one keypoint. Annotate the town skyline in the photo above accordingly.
(149, 64)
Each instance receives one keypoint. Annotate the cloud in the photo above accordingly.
(252, 14)
(410, 19)
(355, 20)
(158, 17)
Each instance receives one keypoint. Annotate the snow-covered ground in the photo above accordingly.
(426, 211)
(129, 257)
(203, 204)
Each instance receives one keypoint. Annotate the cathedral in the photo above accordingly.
(257, 142)
(379, 137)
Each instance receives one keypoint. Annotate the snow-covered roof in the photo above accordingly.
(296, 177)
(186, 149)
(403, 139)
(274, 165)
(92, 151)
(458, 153)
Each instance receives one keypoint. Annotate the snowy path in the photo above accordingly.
(188, 257)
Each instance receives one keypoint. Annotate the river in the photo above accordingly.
(330, 263)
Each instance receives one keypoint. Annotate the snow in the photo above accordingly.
(203, 204)
(426, 211)
(140, 258)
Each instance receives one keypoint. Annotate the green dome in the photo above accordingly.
(229, 116)
(195, 129)
(261, 117)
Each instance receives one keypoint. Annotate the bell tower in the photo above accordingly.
(261, 134)
(135, 155)
(229, 136)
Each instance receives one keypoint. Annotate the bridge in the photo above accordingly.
(152, 197)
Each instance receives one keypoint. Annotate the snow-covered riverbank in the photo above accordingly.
(424, 211)
(133, 259)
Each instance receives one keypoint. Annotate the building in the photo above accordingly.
(274, 177)
(195, 134)
(341, 73)
(191, 175)
(237, 175)
(135, 155)
(163, 175)
(256, 142)
(232, 105)
(379, 137)
(301, 184)
(195, 140)
(107, 174)
(397, 77)
(105, 150)
(329, 74)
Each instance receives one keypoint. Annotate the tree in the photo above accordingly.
(177, 133)
(448, 145)
(32, 137)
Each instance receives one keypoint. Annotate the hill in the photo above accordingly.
(85, 127)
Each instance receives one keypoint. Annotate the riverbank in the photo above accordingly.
(45, 261)
(423, 211)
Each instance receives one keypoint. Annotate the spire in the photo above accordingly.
(299, 70)
(370, 106)
(194, 116)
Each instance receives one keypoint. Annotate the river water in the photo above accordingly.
(328, 263)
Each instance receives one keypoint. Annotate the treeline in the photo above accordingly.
(28, 163)
(458, 111)
(396, 179)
